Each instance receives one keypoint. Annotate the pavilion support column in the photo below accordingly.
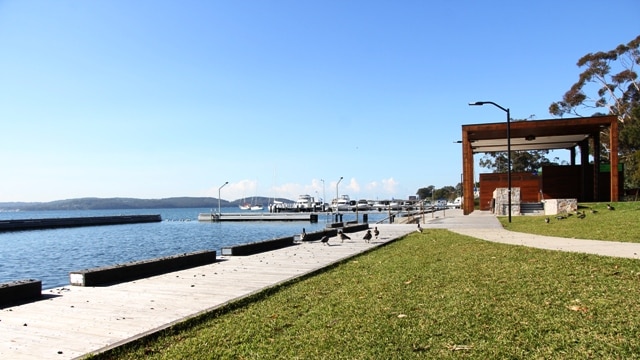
(596, 166)
(586, 190)
(573, 155)
(613, 157)
(467, 174)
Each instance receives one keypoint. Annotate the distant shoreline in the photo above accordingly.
(125, 203)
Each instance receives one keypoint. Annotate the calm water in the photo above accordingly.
(49, 255)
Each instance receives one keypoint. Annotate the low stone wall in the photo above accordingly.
(317, 235)
(348, 227)
(109, 275)
(268, 245)
(257, 247)
(355, 228)
(20, 292)
(335, 225)
(559, 206)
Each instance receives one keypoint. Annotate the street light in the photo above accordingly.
(337, 196)
(225, 183)
(480, 103)
(324, 195)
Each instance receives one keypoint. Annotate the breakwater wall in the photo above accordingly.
(274, 244)
(109, 275)
(19, 292)
(52, 223)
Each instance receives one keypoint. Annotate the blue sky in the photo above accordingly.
(156, 99)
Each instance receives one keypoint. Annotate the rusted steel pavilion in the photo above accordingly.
(550, 134)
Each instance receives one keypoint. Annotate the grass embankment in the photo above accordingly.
(430, 295)
(621, 224)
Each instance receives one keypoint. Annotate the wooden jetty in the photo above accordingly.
(72, 322)
(260, 216)
(52, 223)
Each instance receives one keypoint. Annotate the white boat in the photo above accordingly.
(381, 205)
(251, 206)
(362, 205)
(340, 204)
(456, 204)
(304, 202)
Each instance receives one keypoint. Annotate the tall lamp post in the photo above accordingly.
(480, 103)
(337, 196)
(324, 196)
(220, 188)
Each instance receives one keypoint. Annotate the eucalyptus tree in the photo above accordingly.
(609, 84)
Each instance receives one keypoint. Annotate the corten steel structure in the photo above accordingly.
(550, 134)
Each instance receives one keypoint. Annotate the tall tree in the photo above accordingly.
(521, 161)
(609, 82)
(631, 136)
(447, 193)
(426, 192)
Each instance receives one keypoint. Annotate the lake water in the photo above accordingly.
(49, 255)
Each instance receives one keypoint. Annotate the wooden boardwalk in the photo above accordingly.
(72, 322)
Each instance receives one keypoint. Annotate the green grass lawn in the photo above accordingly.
(621, 224)
(431, 295)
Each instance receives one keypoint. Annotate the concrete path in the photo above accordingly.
(484, 225)
(72, 321)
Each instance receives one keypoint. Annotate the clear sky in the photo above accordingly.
(155, 99)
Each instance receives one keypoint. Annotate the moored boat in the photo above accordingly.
(340, 204)
(304, 202)
(362, 205)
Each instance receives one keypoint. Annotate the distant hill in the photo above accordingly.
(128, 203)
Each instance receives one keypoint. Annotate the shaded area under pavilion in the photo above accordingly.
(584, 181)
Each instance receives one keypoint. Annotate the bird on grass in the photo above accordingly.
(593, 211)
(546, 220)
(581, 216)
(343, 236)
(376, 232)
(367, 236)
(324, 240)
(610, 207)
(419, 228)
